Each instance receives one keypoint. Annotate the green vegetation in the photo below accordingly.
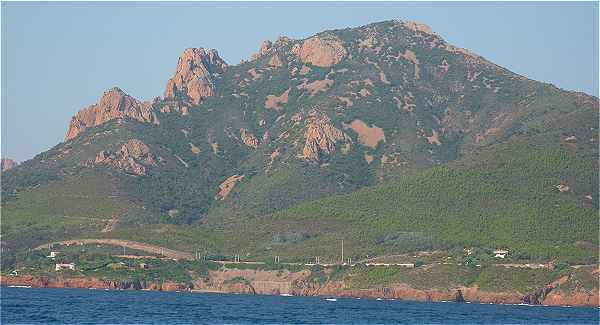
(507, 201)
(97, 262)
(446, 277)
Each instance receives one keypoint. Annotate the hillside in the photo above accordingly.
(383, 135)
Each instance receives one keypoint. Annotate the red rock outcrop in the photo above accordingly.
(60, 282)
(194, 74)
(265, 47)
(275, 61)
(253, 281)
(86, 283)
(367, 136)
(8, 164)
(316, 86)
(578, 298)
(321, 51)
(321, 137)
(113, 104)
(248, 138)
(133, 157)
(227, 186)
(276, 102)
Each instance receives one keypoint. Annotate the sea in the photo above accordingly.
(84, 306)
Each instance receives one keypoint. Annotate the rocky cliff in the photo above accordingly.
(321, 137)
(8, 164)
(133, 157)
(300, 284)
(194, 74)
(113, 104)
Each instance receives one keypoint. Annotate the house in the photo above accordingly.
(500, 253)
(64, 266)
(144, 266)
(14, 273)
(53, 254)
(410, 265)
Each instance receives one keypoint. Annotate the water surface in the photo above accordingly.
(82, 306)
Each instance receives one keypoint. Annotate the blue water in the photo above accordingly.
(81, 306)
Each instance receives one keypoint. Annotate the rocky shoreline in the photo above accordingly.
(546, 296)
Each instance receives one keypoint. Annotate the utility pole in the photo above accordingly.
(342, 251)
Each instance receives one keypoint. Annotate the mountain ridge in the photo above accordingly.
(324, 116)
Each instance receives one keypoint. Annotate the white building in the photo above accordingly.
(500, 253)
(53, 254)
(63, 266)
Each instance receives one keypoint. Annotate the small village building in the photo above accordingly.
(144, 266)
(64, 266)
(14, 273)
(53, 254)
(500, 253)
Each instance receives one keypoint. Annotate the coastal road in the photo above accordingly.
(154, 249)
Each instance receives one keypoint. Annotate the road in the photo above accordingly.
(154, 249)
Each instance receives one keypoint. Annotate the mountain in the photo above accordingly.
(384, 135)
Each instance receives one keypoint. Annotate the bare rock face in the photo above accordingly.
(275, 61)
(175, 106)
(133, 157)
(277, 102)
(194, 74)
(8, 164)
(321, 137)
(227, 186)
(249, 139)
(321, 51)
(416, 27)
(113, 104)
(265, 47)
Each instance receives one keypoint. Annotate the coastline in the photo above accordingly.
(545, 296)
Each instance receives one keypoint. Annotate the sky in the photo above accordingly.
(58, 58)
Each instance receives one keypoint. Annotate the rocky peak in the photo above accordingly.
(194, 74)
(321, 137)
(265, 47)
(8, 164)
(321, 51)
(113, 104)
(415, 26)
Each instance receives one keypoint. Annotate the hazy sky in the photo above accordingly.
(60, 57)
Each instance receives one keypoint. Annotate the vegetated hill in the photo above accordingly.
(467, 152)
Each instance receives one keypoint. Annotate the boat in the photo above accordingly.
(330, 299)
(17, 286)
(286, 295)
